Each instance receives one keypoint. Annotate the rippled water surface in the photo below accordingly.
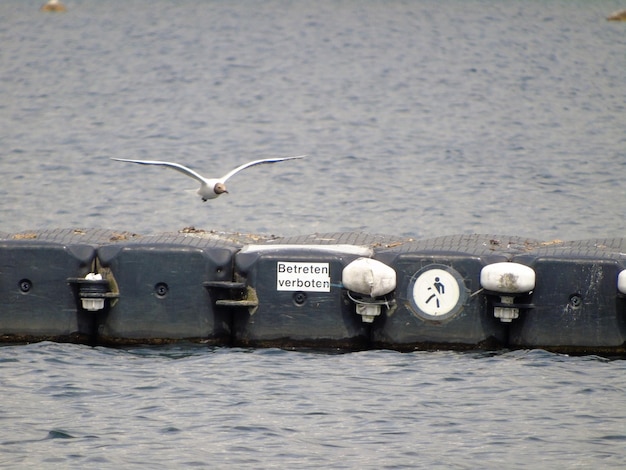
(179, 407)
(419, 118)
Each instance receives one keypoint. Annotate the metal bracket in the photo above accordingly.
(247, 295)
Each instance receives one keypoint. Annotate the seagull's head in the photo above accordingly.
(220, 188)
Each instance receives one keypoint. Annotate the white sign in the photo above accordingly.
(436, 292)
(310, 277)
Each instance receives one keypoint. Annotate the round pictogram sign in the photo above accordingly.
(437, 292)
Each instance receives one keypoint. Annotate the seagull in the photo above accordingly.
(210, 188)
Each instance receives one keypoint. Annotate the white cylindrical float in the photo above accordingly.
(507, 279)
(621, 282)
(372, 278)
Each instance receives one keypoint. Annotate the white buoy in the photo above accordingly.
(621, 282)
(507, 279)
(93, 304)
(369, 276)
(372, 278)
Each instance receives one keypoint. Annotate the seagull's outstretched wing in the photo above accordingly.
(256, 162)
(175, 166)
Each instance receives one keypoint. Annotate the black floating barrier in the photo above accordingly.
(440, 301)
(162, 286)
(577, 307)
(343, 290)
(299, 300)
(37, 301)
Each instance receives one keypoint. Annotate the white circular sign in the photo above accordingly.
(437, 291)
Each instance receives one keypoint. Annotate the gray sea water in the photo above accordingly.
(68, 406)
(419, 118)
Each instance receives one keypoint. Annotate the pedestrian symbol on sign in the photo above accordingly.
(440, 288)
(437, 290)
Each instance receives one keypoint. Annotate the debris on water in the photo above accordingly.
(54, 6)
(619, 15)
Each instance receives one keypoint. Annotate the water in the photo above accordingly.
(419, 118)
(184, 407)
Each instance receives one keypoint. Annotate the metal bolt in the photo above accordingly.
(161, 289)
(299, 298)
(25, 285)
(575, 300)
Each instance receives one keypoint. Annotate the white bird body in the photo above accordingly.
(210, 188)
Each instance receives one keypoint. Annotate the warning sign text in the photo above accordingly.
(312, 277)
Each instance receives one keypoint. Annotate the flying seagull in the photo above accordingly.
(210, 188)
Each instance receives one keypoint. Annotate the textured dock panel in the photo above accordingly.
(577, 307)
(301, 302)
(36, 299)
(342, 238)
(262, 290)
(93, 237)
(439, 300)
(162, 296)
(475, 245)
